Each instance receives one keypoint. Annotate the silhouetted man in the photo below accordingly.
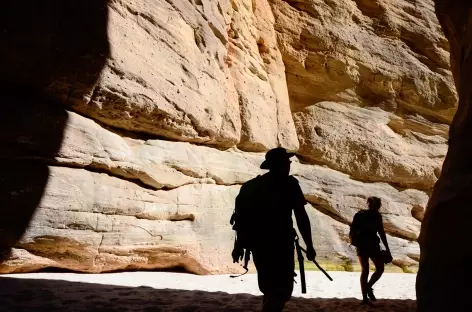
(263, 218)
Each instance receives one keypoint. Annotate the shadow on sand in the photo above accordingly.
(55, 295)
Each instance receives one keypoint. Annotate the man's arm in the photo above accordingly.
(301, 216)
(304, 226)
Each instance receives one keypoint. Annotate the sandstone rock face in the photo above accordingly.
(367, 144)
(204, 72)
(114, 203)
(113, 224)
(390, 54)
(256, 65)
(130, 155)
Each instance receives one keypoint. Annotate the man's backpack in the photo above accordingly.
(244, 218)
(244, 222)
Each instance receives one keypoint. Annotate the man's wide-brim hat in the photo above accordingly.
(275, 157)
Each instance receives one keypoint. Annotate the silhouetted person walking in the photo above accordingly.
(363, 233)
(263, 222)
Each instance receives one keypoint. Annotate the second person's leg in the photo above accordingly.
(379, 269)
(364, 262)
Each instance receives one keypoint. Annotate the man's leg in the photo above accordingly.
(264, 278)
(272, 303)
(275, 270)
(276, 297)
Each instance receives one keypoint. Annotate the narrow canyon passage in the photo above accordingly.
(130, 126)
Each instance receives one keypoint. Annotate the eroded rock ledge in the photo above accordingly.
(114, 203)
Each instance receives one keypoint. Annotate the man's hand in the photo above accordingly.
(311, 253)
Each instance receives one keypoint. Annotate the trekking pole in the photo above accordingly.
(318, 266)
(247, 257)
(301, 264)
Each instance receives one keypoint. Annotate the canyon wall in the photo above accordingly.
(133, 125)
(443, 281)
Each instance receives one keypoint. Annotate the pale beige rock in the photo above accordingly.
(361, 143)
(166, 74)
(403, 226)
(419, 125)
(21, 260)
(154, 162)
(390, 54)
(92, 222)
(174, 72)
(96, 222)
(256, 64)
(173, 164)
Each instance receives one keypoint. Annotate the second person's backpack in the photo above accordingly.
(358, 228)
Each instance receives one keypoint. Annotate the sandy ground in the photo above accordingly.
(162, 291)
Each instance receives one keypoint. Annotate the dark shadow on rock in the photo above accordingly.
(47, 48)
(179, 270)
(54, 295)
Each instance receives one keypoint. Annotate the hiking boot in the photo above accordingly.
(365, 301)
(370, 294)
